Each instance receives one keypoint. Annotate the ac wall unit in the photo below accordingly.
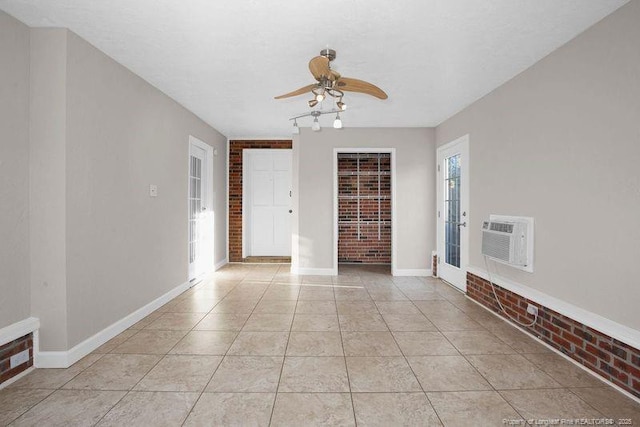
(509, 240)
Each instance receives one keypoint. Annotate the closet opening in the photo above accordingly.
(364, 207)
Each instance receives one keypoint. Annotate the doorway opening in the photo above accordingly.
(364, 207)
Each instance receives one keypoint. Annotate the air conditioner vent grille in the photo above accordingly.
(501, 227)
(496, 245)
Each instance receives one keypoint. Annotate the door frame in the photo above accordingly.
(392, 152)
(207, 190)
(463, 142)
(246, 175)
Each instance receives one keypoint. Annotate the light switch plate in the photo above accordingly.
(153, 190)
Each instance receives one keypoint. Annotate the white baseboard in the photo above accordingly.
(315, 271)
(615, 330)
(64, 359)
(19, 329)
(418, 272)
(221, 264)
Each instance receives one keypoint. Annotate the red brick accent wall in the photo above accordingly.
(434, 265)
(12, 348)
(235, 189)
(611, 359)
(364, 208)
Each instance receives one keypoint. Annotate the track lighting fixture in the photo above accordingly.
(315, 125)
(337, 123)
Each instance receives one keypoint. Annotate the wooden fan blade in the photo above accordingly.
(319, 67)
(297, 91)
(354, 85)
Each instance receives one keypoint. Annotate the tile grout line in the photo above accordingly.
(163, 357)
(284, 358)
(409, 365)
(474, 367)
(344, 359)
(220, 363)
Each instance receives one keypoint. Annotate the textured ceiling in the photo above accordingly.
(225, 60)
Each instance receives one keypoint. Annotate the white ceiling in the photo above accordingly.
(225, 60)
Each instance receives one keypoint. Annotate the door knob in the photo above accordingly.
(290, 211)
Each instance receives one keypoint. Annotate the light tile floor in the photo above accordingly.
(254, 345)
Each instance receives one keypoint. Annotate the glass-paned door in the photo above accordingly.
(453, 218)
(200, 214)
(452, 210)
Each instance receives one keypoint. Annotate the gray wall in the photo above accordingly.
(561, 142)
(124, 248)
(81, 242)
(47, 163)
(415, 191)
(14, 170)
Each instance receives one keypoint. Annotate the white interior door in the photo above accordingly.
(200, 212)
(268, 202)
(453, 213)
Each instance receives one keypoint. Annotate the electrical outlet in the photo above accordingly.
(19, 359)
(532, 309)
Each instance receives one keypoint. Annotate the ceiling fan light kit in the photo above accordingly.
(330, 83)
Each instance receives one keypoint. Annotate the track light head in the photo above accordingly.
(341, 105)
(316, 125)
(296, 129)
(313, 103)
(337, 123)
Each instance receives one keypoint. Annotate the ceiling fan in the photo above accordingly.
(331, 83)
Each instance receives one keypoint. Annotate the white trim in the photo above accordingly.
(555, 350)
(255, 138)
(227, 249)
(394, 243)
(316, 271)
(245, 190)
(418, 272)
(463, 142)
(221, 264)
(613, 329)
(64, 359)
(15, 378)
(19, 329)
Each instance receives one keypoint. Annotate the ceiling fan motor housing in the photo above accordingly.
(330, 54)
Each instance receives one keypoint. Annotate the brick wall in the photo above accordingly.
(12, 348)
(235, 189)
(613, 360)
(364, 208)
(434, 265)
